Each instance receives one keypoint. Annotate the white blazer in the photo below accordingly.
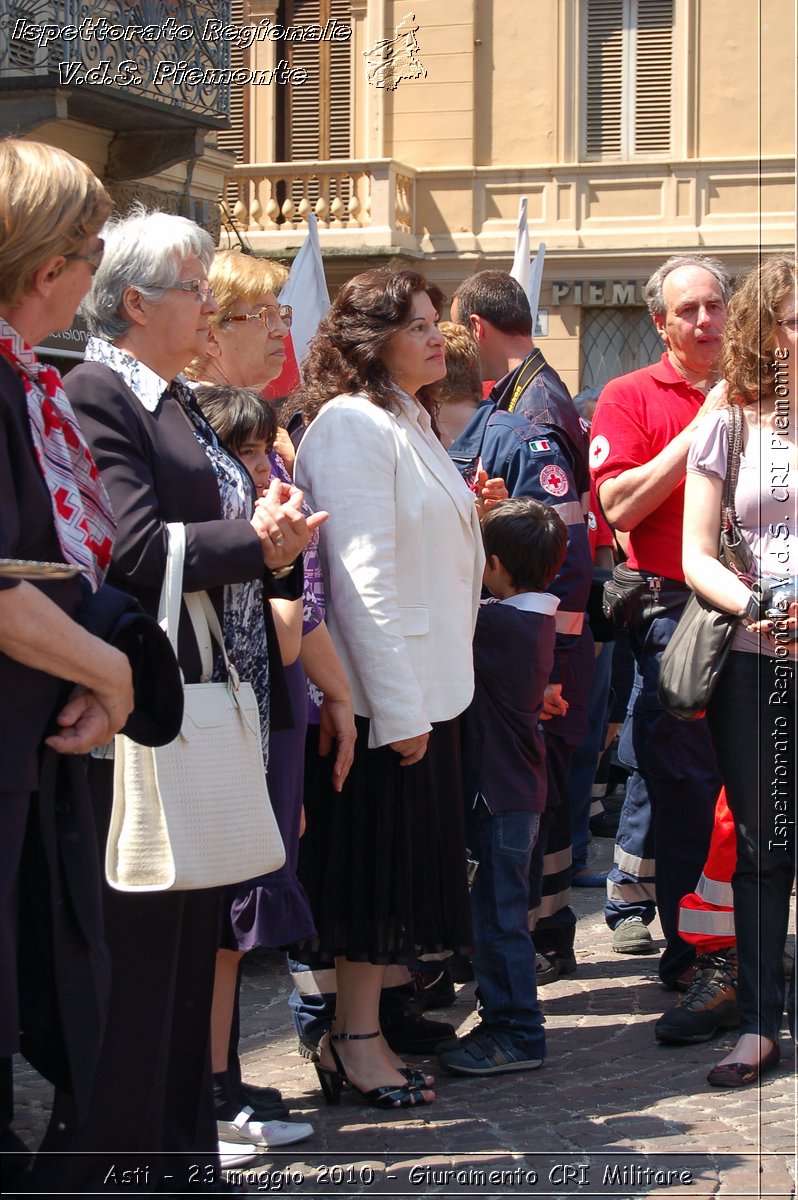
(402, 559)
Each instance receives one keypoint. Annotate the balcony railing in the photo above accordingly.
(375, 197)
(159, 51)
(383, 204)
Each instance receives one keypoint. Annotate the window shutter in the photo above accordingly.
(653, 76)
(605, 75)
(628, 77)
(319, 110)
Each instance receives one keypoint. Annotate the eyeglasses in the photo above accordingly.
(790, 322)
(200, 288)
(270, 316)
(94, 259)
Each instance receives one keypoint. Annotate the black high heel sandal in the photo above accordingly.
(407, 1095)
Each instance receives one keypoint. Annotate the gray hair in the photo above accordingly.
(145, 250)
(652, 292)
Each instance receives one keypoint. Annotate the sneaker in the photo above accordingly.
(246, 1128)
(236, 1154)
(631, 936)
(486, 1052)
(408, 1032)
(708, 1005)
(434, 989)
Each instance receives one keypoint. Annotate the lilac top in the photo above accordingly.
(767, 510)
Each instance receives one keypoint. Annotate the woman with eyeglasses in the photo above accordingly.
(246, 351)
(384, 860)
(751, 714)
(148, 312)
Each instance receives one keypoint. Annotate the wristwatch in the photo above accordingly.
(282, 572)
(753, 609)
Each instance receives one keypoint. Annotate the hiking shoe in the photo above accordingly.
(631, 936)
(434, 989)
(486, 1052)
(708, 1005)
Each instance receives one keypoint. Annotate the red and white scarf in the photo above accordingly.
(84, 521)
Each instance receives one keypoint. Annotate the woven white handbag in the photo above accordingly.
(194, 813)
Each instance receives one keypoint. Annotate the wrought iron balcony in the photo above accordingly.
(117, 57)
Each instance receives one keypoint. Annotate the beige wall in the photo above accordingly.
(746, 78)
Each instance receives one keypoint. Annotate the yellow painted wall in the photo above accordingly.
(746, 78)
(429, 122)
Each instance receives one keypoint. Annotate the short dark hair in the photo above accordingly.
(529, 540)
(237, 414)
(498, 298)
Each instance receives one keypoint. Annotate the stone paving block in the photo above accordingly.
(606, 1087)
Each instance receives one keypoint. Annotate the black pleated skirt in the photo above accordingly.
(383, 862)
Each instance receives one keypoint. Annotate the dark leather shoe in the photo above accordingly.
(739, 1074)
(434, 988)
(409, 1033)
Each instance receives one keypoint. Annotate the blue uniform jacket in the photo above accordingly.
(538, 458)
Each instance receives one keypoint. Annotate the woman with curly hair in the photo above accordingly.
(383, 861)
(756, 691)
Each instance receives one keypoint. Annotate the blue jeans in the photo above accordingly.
(504, 958)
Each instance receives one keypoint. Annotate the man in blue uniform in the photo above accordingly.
(529, 433)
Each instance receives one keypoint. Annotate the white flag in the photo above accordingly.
(528, 273)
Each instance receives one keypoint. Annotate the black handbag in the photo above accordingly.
(697, 651)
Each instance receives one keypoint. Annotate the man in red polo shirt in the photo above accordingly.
(641, 432)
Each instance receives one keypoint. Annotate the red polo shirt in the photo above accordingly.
(637, 416)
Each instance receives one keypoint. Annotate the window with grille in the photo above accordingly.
(627, 78)
(615, 341)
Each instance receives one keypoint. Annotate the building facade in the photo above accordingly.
(635, 128)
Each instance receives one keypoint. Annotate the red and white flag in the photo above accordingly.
(527, 271)
(306, 292)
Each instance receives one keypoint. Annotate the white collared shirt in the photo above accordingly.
(538, 602)
(148, 386)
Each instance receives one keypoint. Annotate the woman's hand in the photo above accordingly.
(90, 718)
(279, 523)
(337, 724)
(553, 703)
(779, 629)
(411, 750)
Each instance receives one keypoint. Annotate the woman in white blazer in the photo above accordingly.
(384, 861)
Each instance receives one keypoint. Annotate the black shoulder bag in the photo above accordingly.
(697, 652)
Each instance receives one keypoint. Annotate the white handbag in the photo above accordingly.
(194, 813)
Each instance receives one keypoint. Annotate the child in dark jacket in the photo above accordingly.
(505, 781)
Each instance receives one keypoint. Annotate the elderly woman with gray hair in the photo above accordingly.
(160, 461)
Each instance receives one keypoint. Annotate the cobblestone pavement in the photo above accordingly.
(612, 1113)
